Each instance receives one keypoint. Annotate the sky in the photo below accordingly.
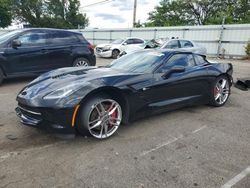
(116, 13)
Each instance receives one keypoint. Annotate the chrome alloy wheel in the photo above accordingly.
(104, 118)
(81, 63)
(221, 91)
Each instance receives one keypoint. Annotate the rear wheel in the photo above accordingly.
(1, 76)
(100, 117)
(115, 54)
(220, 92)
(81, 62)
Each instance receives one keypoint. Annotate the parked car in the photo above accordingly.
(95, 101)
(146, 45)
(184, 44)
(169, 44)
(114, 48)
(34, 51)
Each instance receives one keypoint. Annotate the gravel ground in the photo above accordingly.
(193, 147)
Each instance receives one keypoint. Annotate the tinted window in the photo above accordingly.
(6, 36)
(186, 44)
(62, 37)
(172, 44)
(33, 38)
(185, 60)
(130, 41)
(199, 60)
(138, 41)
(140, 62)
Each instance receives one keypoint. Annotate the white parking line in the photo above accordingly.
(197, 130)
(237, 178)
(170, 141)
(161, 145)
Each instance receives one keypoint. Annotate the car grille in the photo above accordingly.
(30, 111)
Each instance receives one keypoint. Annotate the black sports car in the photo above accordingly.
(96, 100)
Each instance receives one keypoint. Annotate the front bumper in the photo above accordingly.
(53, 120)
(102, 53)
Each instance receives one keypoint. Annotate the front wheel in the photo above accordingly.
(100, 117)
(81, 62)
(220, 91)
(115, 54)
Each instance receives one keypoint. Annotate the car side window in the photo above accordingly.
(130, 41)
(186, 60)
(62, 37)
(186, 44)
(33, 38)
(173, 44)
(200, 60)
(138, 41)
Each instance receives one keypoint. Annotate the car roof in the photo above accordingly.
(175, 51)
(132, 38)
(49, 29)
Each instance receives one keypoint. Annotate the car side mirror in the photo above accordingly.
(174, 69)
(124, 44)
(16, 43)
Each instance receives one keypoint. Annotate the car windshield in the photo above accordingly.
(138, 62)
(163, 44)
(118, 41)
(4, 37)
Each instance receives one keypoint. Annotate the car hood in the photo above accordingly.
(80, 78)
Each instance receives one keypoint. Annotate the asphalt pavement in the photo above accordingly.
(199, 146)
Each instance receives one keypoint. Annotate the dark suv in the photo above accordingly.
(29, 52)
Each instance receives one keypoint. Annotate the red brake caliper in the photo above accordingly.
(114, 116)
(216, 91)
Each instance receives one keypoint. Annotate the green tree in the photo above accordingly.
(30, 11)
(50, 13)
(74, 17)
(168, 13)
(199, 12)
(5, 13)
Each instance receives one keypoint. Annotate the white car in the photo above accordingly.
(113, 49)
(186, 45)
(170, 44)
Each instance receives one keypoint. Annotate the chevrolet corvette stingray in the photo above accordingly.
(96, 100)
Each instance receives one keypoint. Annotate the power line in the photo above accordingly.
(97, 3)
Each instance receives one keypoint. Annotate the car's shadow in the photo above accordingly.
(15, 81)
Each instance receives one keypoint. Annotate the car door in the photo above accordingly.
(185, 85)
(131, 43)
(30, 56)
(61, 44)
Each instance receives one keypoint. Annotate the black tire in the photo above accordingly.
(85, 113)
(81, 62)
(115, 54)
(1, 76)
(215, 92)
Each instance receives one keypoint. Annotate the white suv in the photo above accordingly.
(113, 49)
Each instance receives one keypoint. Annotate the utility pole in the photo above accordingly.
(221, 36)
(134, 16)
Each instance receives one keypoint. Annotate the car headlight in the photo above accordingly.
(63, 92)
